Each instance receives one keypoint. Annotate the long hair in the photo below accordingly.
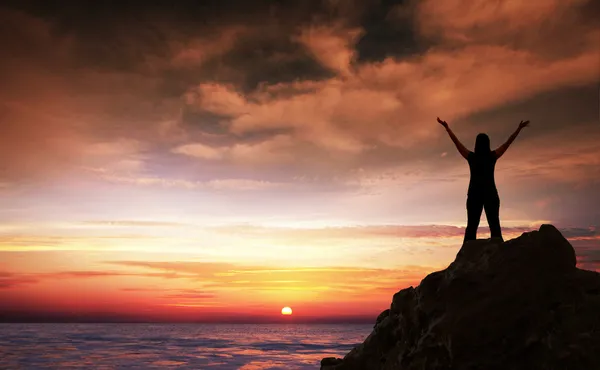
(482, 144)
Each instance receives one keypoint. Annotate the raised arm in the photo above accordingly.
(502, 148)
(461, 148)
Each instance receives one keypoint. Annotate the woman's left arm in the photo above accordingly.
(502, 148)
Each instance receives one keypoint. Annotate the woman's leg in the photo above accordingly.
(474, 209)
(492, 213)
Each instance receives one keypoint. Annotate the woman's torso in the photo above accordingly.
(482, 183)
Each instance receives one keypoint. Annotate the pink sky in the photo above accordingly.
(214, 163)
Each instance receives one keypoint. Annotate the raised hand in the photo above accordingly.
(443, 123)
(502, 148)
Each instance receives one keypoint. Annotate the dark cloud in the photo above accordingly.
(122, 34)
(550, 109)
(389, 31)
(127, 37)
(269, 57)
(581, 232)
(205, 122)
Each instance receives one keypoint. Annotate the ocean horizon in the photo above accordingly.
(181, 346)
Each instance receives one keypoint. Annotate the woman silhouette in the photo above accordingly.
(482, 192)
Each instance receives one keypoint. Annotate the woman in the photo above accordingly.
(482, 192)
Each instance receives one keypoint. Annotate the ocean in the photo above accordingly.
(175, 346)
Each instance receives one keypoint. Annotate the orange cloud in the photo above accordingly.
(11, 280)
(382, 102)
(193, 53)
(232, 276)
(198, 150)
(133, 223)
(482, 21)
(203, 287)
(275, 149)
(332, 46)
(231, 184)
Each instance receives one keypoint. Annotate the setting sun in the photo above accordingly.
(286, 311)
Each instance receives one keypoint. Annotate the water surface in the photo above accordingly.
(182, 346)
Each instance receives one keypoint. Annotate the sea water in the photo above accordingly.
(180, 346)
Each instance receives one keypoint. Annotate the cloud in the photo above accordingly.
(241, 184)
(124, 110)
(32, 241)
(193, 53)
(581, 233)
(378, 103)
(217, 98)
(216, 184)
(588, 254)
(560, 159)
(52, 114)
(275, 149)
(11, 280)
(198, 150)
(497, 22)
(63, 109)
(191, 267)
(308, 115)
(133, 223)
(191, 295)
(369, 231)
(332, 46)
(237, 100)
(225, 276)
(86, 274)
(117, 148)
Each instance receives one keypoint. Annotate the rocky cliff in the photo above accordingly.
(521, 304)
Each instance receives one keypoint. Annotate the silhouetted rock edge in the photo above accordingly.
(519, 304)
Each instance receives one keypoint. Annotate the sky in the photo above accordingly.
(219, 160)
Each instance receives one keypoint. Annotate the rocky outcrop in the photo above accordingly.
(520, 304)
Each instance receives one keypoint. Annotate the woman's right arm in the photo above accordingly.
(502, 148)
(461, 148)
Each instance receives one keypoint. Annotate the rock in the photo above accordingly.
(382, 316)
(330, 362)
(519, 304)
(403, 301)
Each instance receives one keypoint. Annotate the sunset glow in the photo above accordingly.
(214, 163)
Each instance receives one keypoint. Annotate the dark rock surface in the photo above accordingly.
(521, 304)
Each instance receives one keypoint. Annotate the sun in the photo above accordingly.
(286, 311)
